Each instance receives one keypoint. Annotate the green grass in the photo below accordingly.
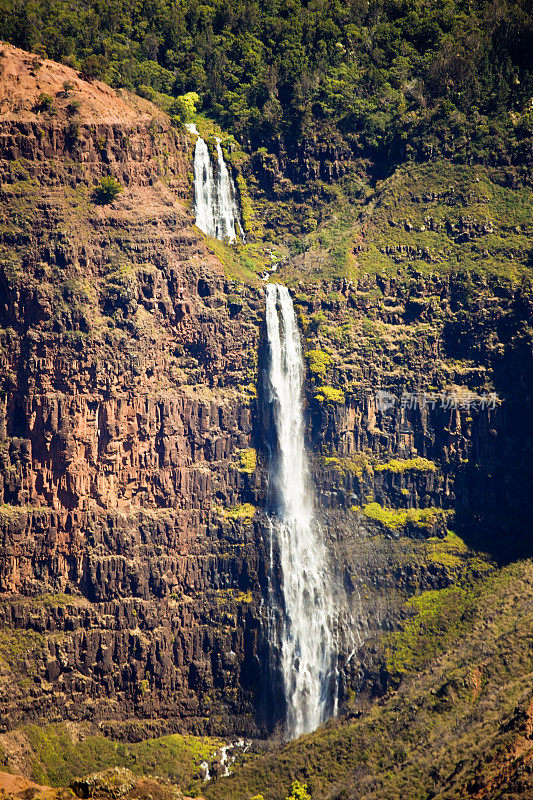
(243, 262)
(439, 618)
(399, 465)
(57, 759)
(449, 551)
(412, 222)
(460, 688)
(421, 519)
(421, 205)
(17, 644)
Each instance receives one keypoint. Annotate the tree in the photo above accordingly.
(185, 106)
(93, 67)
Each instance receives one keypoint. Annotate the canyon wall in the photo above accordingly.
(132, 464)
(130, 583)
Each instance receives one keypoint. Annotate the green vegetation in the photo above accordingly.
(451, 218)
(17, 644)
(318, 362)
(451, 553)
(422, 519)
(248, 460)
(107, 190)
(329, 394)
(248, 216)
(185, 106)
(439, 617)
(399, 465)
(298, 792)
(359, 464)
(93, 67)
(242, 262)
(456, 720)
(230, 596)
(244, 512)
(57, 759)
(398, 79)
(44, 103)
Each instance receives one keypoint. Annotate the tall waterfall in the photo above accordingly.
(217, 213)
(308, 652)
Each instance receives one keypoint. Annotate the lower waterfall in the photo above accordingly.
(308, 651)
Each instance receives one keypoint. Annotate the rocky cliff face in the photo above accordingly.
(131, 459)
(129, 582)
(419, 427)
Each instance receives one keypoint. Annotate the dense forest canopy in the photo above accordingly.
(377, 71)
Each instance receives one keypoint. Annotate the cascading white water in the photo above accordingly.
(217, 213)
(204, 189)
(228, 213)
(308, 652)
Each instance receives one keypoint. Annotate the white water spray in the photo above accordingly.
(217, 213)
(308, 649)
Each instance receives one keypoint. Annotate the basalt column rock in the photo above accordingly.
(130, 580)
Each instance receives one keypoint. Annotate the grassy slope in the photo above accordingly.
(56, 757)
(459, 719)
(416, 220)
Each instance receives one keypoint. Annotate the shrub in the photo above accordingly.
(298, 792)
(420, 519)
(73, 107)
(248, 461)
(93, 67)
(185, 106)
(72, 134)
(245, 512)
(318, 361)
(417, 464)
(108, 189)
(44, 102)
(368, 327)
(316, 321)
(328, 394)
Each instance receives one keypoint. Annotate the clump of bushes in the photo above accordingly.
(107, 190)
(73, 107)
(93, 67)
(184, 107)
(421, 519)
(248, 461)
(244, 512)
(318, 361)
(398, 465)
(316, 322)
(44, 103)
(329, 394)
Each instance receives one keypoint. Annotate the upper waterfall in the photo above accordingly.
(217, 212)
(308, 651)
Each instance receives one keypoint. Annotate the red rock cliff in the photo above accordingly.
(122, 419)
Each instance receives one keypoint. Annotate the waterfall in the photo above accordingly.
(217, 213)
(308, 652)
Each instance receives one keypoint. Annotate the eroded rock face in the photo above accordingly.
(128, 586)
(133, 560)
(419, 422)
